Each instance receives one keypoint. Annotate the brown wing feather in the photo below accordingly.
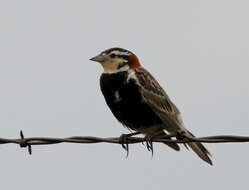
(158, 100)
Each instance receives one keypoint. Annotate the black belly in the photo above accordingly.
(125, 101)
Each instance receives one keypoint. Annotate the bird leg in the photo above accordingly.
(149, 145)
(148, 140)
(123, 141)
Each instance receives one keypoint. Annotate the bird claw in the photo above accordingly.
(149, 143)
(124, 143)
(148, 140)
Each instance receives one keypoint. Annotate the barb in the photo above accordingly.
(27, 142)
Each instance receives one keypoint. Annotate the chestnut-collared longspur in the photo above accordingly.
(138, 101)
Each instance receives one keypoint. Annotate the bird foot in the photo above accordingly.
(149, 143)
(123, 140)
(149, 138)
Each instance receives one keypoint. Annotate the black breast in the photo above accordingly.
(125, 101)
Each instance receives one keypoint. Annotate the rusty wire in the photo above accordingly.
(31, 141)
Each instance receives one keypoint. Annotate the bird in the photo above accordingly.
(138, 101)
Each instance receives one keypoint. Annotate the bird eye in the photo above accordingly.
(112, 55)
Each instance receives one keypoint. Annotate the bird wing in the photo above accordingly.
(154, 95)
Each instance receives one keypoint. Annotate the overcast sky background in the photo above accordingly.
(198, 50)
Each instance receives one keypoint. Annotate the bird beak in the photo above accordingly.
(98, 58)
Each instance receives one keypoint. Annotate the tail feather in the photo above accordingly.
(200, 150)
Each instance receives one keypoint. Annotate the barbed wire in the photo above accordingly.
(178, 138)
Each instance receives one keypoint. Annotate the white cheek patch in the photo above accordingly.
(117, 97)
(124, 68)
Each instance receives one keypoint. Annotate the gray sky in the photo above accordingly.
(197, 49)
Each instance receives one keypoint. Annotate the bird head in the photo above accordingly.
(117, 59)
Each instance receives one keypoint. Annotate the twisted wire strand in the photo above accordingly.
(27, 142)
